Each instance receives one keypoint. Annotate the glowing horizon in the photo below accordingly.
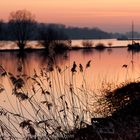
(109, 15)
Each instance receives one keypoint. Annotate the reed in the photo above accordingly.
(47, 104)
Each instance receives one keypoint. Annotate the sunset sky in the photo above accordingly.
(109, 15)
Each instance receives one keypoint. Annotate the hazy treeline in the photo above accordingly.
(70, 32)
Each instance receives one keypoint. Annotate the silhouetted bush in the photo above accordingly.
(123, 105)
(87, 43)
(110, 44)
(100, 47)
(123, 95)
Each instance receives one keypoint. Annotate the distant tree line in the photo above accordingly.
(36, 28)
(22, 23)
(70, 32)
(23, 27)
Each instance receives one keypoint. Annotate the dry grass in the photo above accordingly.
(46, 104)
(50, 105)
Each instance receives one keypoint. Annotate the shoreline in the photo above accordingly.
(71, 49)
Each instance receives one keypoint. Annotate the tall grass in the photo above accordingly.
(47, 104)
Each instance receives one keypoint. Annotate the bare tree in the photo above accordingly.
(48, 36)
(21, 23)
(54, 38)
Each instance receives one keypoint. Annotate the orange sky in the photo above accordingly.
(109, 15)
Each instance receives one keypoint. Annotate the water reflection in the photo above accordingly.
(105, 65)
(109, 50)
(63, 89)
(30, 60)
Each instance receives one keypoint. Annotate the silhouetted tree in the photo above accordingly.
(1, 29)
(21, 23)
(47, 35)
(53, 38)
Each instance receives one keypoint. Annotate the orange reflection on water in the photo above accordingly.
(105, 66)
(105, 70)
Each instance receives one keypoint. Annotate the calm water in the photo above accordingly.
(106, 66)
(106, 69)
